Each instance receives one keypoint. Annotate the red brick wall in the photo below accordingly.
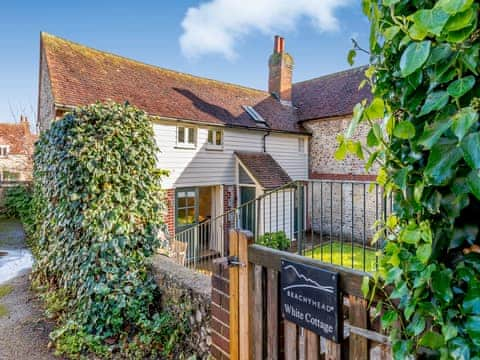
(170, 216)
(220, 349)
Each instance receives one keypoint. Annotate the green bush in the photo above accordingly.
(99, 216)
(276, 240)
(19, 204)
(424, 131)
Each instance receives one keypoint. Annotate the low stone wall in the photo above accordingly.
(186, 293)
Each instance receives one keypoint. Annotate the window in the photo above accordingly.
(9, 176)
(186, 207)
(254, 114)
(4, 150)
(301, 145)
(215, 138)
(185, 136)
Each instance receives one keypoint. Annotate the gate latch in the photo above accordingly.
(229, 261)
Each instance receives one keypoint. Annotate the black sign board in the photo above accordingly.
(310, 299)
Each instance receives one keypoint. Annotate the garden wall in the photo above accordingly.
(187, 294)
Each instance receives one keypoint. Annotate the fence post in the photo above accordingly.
(358, 316)
(234, 298)
(245, 275)
(299, 218)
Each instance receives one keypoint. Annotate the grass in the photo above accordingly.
(332, 253)
(4, 291)
(3, 310)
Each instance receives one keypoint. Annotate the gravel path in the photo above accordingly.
(24, 331)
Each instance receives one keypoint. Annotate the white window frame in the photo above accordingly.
(4, 150)
(214, 145)
(301, 145)
(185, 144)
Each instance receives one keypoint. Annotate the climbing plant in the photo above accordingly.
(424, 131)
(98, 220)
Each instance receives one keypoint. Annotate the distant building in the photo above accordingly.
(16, 151)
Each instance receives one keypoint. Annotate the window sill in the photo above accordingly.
(214, 148)
(185, 147)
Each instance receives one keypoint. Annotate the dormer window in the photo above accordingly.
(4, 150)
(255, 115)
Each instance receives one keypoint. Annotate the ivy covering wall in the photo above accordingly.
(99, 217)
(424, 77)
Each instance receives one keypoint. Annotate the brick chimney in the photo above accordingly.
(280, 67)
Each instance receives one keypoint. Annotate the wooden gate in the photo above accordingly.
(257, 330)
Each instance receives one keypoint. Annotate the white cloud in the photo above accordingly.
(215, 26)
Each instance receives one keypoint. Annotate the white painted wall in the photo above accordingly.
(200, 166)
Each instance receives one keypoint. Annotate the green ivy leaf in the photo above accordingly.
(471, 302)
(433, 132)
(400, 178)
(461, 20)
(449, 331)
(461, 35)
(461, 86)
(410, 235)
(375, 110)
(435, 101)
(414, 57)
(351, 57)
(431, 20)
(432, 340)
(417, 325)
(463, 121)
(356, 118)
(365, 286)
(441, 284)
(473, 181)
(390, 32)
(423, 252)
(388, 318)
(471, 150)
(404, 130)
(442, 161)
(372, 139)
(472, 326)
(453, 7)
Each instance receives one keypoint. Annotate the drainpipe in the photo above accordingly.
(265, 141)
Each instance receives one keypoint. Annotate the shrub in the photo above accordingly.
(276, 240)
(425, 57)
(19, 204)
(99, 217)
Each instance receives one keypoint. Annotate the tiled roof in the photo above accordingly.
(18, 137)
(263, 167)
(331, 95)
(81, 75)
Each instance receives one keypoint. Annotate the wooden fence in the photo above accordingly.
(257, 329)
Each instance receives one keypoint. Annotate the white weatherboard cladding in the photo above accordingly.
(201, 167)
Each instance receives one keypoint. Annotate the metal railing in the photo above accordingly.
(333, 221)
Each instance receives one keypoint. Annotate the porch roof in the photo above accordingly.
(263, 167)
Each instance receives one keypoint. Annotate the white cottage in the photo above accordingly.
(223, 144)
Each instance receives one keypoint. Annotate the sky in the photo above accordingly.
(227, 40)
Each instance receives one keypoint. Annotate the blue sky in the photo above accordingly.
(228, 40)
